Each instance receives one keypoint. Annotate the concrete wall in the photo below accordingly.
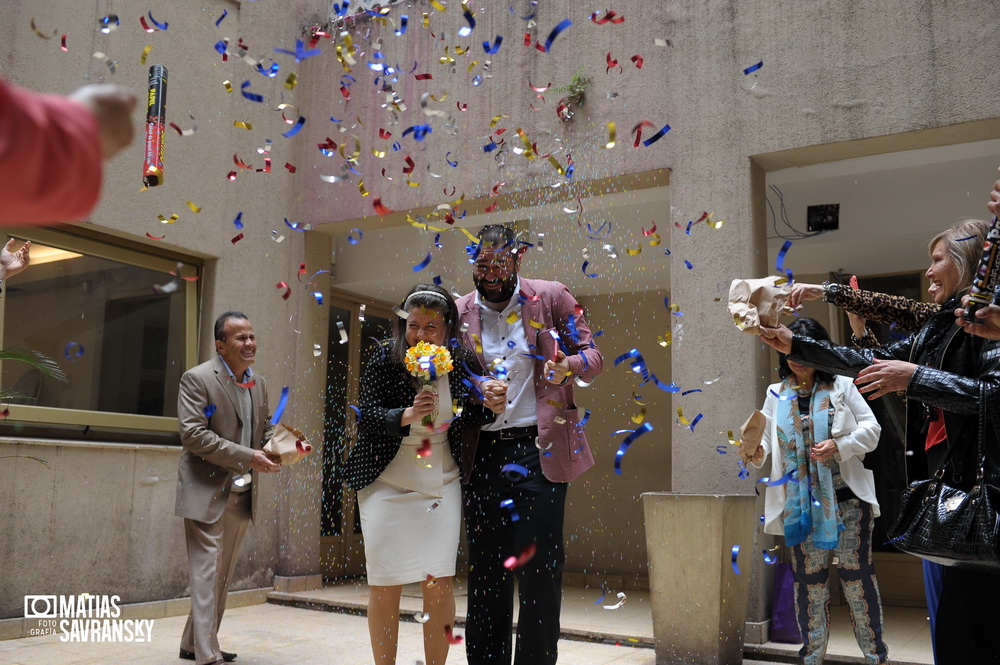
(101, 520)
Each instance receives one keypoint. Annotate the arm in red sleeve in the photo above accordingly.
(50, 158)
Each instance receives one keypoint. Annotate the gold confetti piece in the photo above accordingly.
(145, 52)
(732, 439)
(411, 183)
(495, 120)
(462, 51)
(244, 125)
(292, 81)
(471, 66)
(655, 240)
(555, 164)
(479, 344)
(634, 252)
(173, 218)
(639, 417)
(664, 341)
(357, 150)
(443, 97)
(553, 403)
(34, 29)
(559, 420)
(611, 136)
(438, 5)
(361, 187)
(680, 417)
(378, 153)
(229, 86)
(513, 317)
(194, 208)
(535, 324)
(638, 399)
(714, 223)
(528, 151)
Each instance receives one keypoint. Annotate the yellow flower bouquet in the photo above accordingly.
(428, 362)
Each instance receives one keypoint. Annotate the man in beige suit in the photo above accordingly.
(224, 422)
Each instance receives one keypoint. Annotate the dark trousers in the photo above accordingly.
(968, 620)
(494, 535)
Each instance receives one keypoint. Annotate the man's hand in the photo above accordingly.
(557, 370)
(495, 395)
(13, 262)
(264, 462)
(112, 105)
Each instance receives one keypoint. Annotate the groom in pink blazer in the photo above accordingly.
(532, 336)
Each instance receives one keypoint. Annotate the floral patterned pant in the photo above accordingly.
(857, 577)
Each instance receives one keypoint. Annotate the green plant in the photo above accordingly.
(577, 87)
(43, 364)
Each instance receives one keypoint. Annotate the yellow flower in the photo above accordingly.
(420, 357)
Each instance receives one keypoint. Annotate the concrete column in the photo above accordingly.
(699, 602)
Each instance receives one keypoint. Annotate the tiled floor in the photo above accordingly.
(272, 634)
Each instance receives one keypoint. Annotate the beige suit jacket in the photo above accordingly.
(212, 452)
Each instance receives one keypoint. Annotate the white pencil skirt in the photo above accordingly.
(412, 533)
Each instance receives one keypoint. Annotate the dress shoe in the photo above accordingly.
(189, 655)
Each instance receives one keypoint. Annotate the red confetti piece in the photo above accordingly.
(637, 59)
(185, 278)
(291, 169)
(288, 290)
(452, 638)
(612, 63)
(345, 92)
(461, 106)
(302, 271)
(236, 238)
(5, 413)
(152, 237)
(249, 384)
(303, 447)
(384, 134)
(267, 166)
(539, 89)
(527, 39)
(409, 164)
(231, 175)
(425, 449)
(637, 130)
(515, 562)
(380, 208)
(609, 16)
(240, 163)
(650, 232)
(491, 207)
(62, 45)
(423, 77)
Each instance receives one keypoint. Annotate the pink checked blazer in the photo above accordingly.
(551, 305)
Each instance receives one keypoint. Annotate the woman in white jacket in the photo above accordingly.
(821, 498)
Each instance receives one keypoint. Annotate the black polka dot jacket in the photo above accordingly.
(386, 391)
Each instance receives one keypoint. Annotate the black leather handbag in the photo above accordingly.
(950, 526)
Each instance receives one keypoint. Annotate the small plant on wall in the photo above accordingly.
(575, 95)
(43, 364)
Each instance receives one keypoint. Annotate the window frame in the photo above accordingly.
(130, 252)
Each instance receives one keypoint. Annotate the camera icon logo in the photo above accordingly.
(40, 607)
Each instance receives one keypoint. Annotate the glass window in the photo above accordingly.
(117, 322)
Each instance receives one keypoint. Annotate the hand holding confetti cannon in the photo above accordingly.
(557, 368)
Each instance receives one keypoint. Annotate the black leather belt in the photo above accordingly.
(514, 433)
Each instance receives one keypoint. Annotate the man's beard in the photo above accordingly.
(506, 292)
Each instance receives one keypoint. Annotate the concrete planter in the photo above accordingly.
(699, 603)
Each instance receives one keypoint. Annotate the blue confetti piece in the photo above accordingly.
(769, 558)
(419, 131)
(253, 97)
(721, 450)
(403, 20)
(225, 13)
(687, 231)
(351, 239)
(780, 481)
(341, 10)
(270, 72)
(696, 421)
(466, 30)
(514, 472)
(688, 392)
(601, 599)
(221, 47)
(490, 147)
(736, 553)
(629, 440)
(565, 23)
(583, 421)
(295, 130)
(282, 403)
(657, 136)
(318, 295)
(238, 222)
(752, 68)
(161, 26)
(423, 264)
(437, 280)
(496, 45)
(744, 472)
(209, 410)
(73, 350)
(509, 505)
(688, 264)
(450, 163)
(584, 269)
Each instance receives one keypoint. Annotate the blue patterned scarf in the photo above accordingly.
(810, 503)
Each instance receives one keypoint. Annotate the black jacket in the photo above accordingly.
(386, 391)
(953, 383)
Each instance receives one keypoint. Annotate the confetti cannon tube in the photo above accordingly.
(981, 294)
(156, 105)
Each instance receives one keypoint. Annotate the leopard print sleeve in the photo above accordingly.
(908, 315)
(869, 341)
